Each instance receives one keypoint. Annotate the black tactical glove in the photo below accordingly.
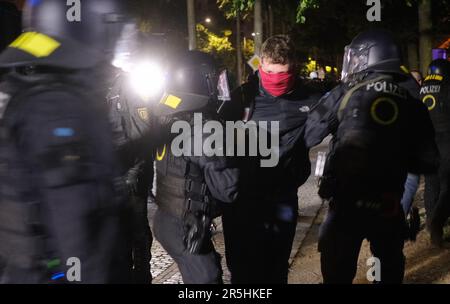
(131, 178)
(196, 231)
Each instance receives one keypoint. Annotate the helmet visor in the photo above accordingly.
(355, 60)
(193, 81)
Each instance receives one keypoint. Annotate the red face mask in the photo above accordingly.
(277, 84)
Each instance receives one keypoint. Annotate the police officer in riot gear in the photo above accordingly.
(132, 119)
(380, 132)
(435, 93)
(60, 200)
(190, 189)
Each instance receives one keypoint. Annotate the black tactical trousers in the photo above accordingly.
(258, 241)
(437, 195)
(340, 240)
(201, 268)
(141, 241)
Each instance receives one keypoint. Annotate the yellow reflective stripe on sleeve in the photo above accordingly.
(36, 44)
(404, 69)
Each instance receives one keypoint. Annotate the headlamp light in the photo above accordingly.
(147, 79)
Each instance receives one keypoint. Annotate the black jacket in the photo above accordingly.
(134, 130)
(293, 168)
(435, 94)
(57, 180)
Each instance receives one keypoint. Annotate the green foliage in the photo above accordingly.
(303, 6)
(248, 48)
(218, 45)
(210, 42)
(231, 7)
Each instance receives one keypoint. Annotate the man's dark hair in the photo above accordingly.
(279, 49)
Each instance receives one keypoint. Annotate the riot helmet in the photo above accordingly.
(439, 67)
(194, 83)
(373, 50)
(74, 35)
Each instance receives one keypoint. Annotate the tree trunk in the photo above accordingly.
(425, 26)
(265, 20)
(238, 49)
(258, 26)
(150, 11)
(283, 27)
(413, 59)
(191, 25)
(271, 25)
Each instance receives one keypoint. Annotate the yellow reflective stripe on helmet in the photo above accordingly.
(160, 157)
(171, 101)
(376, 118)
(425, 99)
(36, 44)
(434, 77)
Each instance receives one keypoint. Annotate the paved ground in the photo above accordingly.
(165, 271)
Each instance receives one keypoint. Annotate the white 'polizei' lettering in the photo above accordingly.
(431, 89)
(385, 87)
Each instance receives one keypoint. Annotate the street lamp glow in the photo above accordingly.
(208, 20)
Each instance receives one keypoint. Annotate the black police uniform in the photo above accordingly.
(364, 183)
(259, 227)
(380, 133)
(191, 189)
(59, 196)
(187, 194)
(435, 93)
(130, 118)
(57, 193)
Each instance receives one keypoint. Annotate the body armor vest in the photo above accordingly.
(370, 144)
(23, 237)
(21, 234)
(181, 187)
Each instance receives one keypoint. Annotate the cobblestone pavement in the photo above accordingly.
(164, 269)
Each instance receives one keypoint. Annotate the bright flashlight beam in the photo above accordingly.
(147, 79)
